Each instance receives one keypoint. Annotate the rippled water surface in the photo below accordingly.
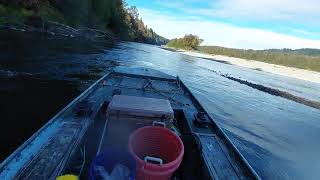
(278, 137)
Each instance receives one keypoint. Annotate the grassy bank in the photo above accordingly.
(308, 59)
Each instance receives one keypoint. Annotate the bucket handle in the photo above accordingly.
(157, 123)
(153, 160)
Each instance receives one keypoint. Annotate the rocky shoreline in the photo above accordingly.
(277, 92)
(301, 74)
(269, 90)
(50, 28)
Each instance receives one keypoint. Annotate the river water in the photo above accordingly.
(279, 138)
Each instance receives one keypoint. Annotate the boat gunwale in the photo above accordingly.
(50, 122)
(224, 135)
(84, 94)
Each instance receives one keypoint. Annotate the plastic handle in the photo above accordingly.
(157, 123)
(153, 160)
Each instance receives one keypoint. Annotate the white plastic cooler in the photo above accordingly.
(142, 107)
(127, 113)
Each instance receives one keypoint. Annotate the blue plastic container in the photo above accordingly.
(111, 157)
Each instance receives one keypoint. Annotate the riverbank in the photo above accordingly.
(302, 74)
(91, 19)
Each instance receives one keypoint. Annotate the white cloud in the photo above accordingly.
(303, 11)
(221, 34)
(279, 9)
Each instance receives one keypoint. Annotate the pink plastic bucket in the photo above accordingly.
(151, 143)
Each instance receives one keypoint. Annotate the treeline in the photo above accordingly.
(114, 15)
(301, 58)
(304, 51)
(188, 42)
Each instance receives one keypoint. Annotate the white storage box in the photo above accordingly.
(140, 106)
(127, 113)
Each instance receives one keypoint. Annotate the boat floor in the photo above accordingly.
(69, 142)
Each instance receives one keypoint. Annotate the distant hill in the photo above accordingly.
(300, 58)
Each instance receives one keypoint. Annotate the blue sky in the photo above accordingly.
(255, 24)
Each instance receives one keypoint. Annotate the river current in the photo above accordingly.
(278, 137)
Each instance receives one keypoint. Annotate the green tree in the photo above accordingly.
(188, 42)
(114, 15)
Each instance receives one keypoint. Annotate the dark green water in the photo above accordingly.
(278, 137)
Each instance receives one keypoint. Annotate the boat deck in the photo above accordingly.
(53, 149)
